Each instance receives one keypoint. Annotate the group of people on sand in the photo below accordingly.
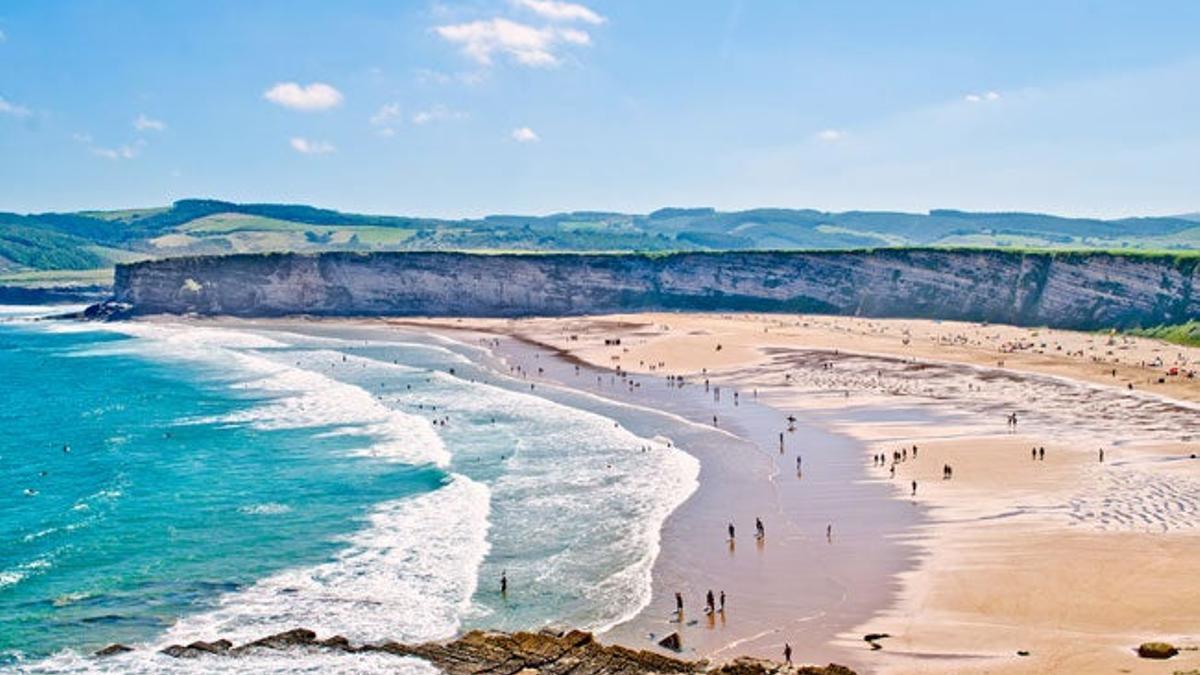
(713, 604)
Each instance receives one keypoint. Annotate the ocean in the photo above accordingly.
(166, 483)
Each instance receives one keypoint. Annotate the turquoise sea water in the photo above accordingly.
(166, 483)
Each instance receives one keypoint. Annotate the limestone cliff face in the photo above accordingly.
(1074, 290)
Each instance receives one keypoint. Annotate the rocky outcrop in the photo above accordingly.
(574, 652)
(1072, 290)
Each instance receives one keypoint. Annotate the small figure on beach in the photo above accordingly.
(1101, 455)
(504, 582)
(947, 472)
(787, 653)
(710, 603)
(731, 532)
(892, 471)
(679, 604)
(829, 533)
(722, 609)
(714, 420)
(799, 462)
(781, 442)
(761, 532)
(914, 451)
(914, 487)
(1033, 454)
(1041, 454)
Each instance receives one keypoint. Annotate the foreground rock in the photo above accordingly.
(574, 652)
(1156, 650)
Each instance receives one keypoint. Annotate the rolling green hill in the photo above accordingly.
(71, 245)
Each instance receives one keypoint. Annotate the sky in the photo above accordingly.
(458, 108)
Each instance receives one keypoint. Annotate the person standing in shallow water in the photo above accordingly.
(504, 583)
(710, 602)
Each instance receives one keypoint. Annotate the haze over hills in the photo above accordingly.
(81, 247)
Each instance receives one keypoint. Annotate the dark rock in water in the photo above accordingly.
(672, 641)
(109, 310)
(198, 648)
(575, 652)
(336, 642)
(1156, 650)
(114, 649)
(297, 637)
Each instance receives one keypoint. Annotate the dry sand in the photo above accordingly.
(1072, 560)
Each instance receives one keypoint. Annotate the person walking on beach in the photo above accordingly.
(731, 532)
(829, 533)
(710, 603)
(914, 485)
(1041, 454)
(1101, 455)
(761, 532)
(1033, 454)
(787, 653)
(679, 604)
(722, 610)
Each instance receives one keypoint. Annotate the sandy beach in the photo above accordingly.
(1014, 564)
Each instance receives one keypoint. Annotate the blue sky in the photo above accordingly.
(461, 108)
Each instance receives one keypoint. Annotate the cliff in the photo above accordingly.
(1072, 290)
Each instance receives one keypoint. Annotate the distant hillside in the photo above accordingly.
(81, 247)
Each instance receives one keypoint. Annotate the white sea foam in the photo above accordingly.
(408, 576)
(299, 396)
(581, 501)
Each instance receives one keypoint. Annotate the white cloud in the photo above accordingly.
(127, 151)
(315, 96)
(305, 146)
(438, 113)
(9, 108)
(144, 123)
(980, 98)
(386, 118)
(525, 44)
(831, 135)
(556, 10)
(524, 135)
